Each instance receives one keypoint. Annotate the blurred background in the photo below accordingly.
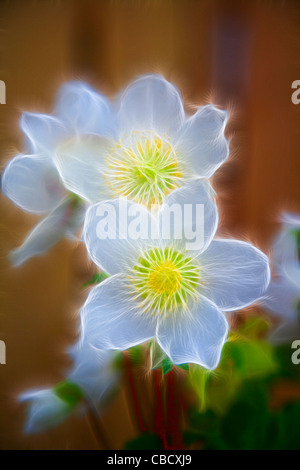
(240, 55)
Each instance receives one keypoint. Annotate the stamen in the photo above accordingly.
(164, 280)
(145, 168)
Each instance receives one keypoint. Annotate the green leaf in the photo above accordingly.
(289, 419)
(199, 379)
(167, 365)
(286, 368)
(296, 234)
(190, 437)
(254, 328)
(252, 358)
(160, 360)
(244, 357)
(145, 442)
(249, 424)
(96, 279)
(69, 392)
(157, 355)
(204, 427)
(118, 361)
(75, 200)
(184, 366)
(246, 424)
(136, 354)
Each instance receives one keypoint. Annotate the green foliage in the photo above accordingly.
(249, 424)
(254, 328)
(234, 400)
(160, 360)
(145, 442)
(296, 234)
(243, 357)
(157, 355)
(234, 410)
(136, 354)
(184, 366)
(245, 425)
(69, 392)
(96, 279)
(75, 200)
(286, 369)
(118, 361)
(166, 365)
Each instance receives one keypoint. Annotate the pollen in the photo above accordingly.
(144, 168)
(165, 280)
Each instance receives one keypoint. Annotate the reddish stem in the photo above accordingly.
(160, 427)
(96, 426)
(174, 413)
(129, 376)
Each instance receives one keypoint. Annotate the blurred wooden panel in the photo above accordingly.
(273, 175)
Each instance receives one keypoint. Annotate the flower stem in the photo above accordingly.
(96, 426)
(133, 395)
(160, 427)
(174, 413)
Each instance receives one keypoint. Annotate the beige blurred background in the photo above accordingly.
(240, 55)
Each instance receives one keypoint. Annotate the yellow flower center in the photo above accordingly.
(164, 280)
(145, 168)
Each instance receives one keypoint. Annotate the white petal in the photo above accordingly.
(291, 220)
(192, 214)
(202, 140)
(32, 183)
(286, 332)
(284, 249)
(151, 103)
(81, 164)
(285, 255)
(234, 273)
(282, 298)
(292, 272)
(84, 111)
(43, 132)
(92, 370)
(115, 231)
(111, 319)
(196, 336)
(64, 219)
(46, 410)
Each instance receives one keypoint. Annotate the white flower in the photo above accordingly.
(91, 378)
(93, 371)
(144, 151)
(46, 410)
(64, 221)
(286, 248)
(283, 295)
(32, 181)
(156, 147)
(160, 289)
